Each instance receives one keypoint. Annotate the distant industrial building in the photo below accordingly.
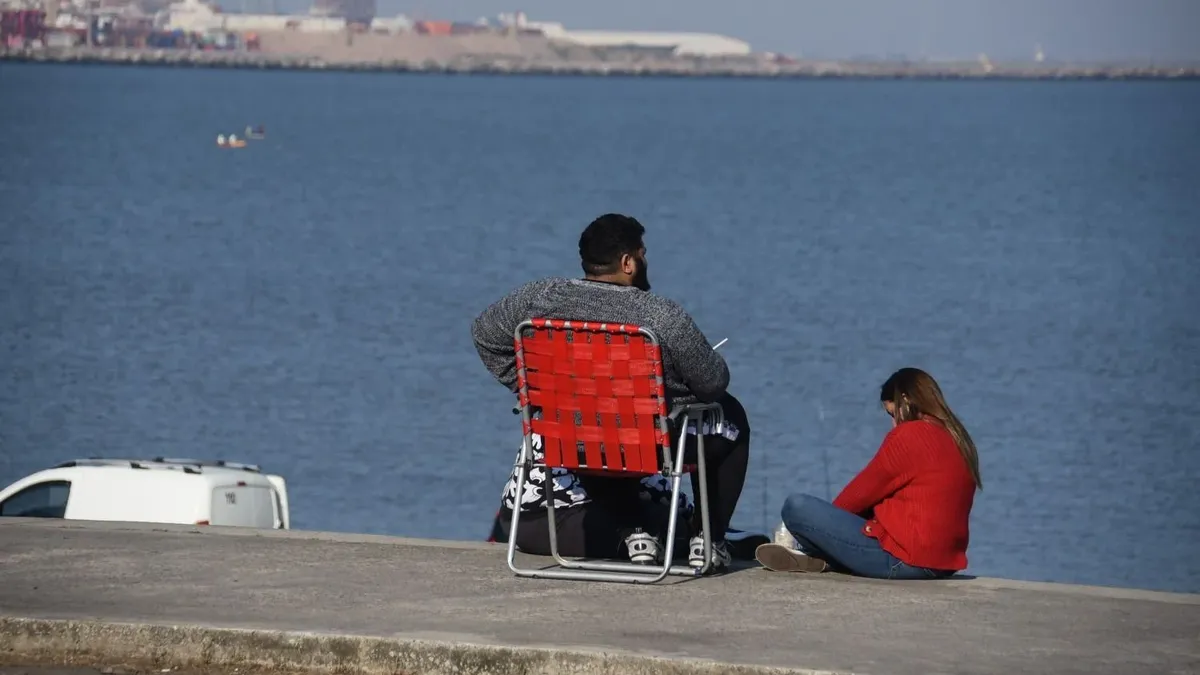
(674, 44)
(353, 11)
(200, 17)
(332, 24)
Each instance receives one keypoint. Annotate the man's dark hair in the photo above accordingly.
(606, 239)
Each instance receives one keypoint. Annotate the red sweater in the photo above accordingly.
(916, 495)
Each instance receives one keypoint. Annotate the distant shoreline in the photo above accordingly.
(690, 68)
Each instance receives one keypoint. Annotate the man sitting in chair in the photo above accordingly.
(601, 517)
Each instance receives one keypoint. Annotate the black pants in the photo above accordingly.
(598, 529)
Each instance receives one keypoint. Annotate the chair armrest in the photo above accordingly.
(703, 408)
(699, 412)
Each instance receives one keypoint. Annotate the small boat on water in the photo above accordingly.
(232, 142)
(256, 134)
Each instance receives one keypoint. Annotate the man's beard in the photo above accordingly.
(641, 279)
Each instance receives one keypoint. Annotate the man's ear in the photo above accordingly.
(628, 264)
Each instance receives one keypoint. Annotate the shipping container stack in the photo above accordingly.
(434, 27)
(21, 28)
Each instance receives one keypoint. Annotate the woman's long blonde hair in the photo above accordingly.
(913, 393)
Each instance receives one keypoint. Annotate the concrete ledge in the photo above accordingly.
(220, 600)
(296, 535)
(154, 647)
(988, 583)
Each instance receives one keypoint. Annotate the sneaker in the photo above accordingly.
(743, 544)
(721, 557)
(779, 558)
(643, 548)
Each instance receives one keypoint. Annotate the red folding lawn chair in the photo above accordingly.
(594, 393)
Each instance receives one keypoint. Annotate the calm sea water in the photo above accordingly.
(304, 303)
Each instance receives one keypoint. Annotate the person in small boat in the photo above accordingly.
(600, 516)
(904, 516)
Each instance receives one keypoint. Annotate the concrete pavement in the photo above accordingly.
(220, 599)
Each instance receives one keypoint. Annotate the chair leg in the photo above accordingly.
(581, 570)
(522, 476)
(585, 570)
(699, 413)
(550, 516)
(623, 571)
(705, 515)
(628, 572)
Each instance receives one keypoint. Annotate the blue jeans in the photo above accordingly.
(835, 535)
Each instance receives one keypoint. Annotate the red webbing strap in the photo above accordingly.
(589, 386)
(599, 388)
(554, 430)
(626, 414)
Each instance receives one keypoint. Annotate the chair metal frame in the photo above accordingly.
(672, 467)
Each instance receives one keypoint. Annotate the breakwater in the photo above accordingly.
(592, 64)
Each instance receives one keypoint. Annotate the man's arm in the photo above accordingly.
(492, 332)
(701, 367)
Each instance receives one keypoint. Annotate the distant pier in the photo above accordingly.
(591, 65)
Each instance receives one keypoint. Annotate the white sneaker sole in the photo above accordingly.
(783, 559)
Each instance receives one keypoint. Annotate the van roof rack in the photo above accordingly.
(210, 462)
(186, 465)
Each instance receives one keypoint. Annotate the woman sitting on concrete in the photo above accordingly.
(905, 516)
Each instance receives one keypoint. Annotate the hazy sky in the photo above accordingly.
(1066, 29)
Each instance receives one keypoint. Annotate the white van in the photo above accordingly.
(159, 490)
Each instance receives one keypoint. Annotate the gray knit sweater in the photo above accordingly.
(691, 368)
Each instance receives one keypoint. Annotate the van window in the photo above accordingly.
(41, 500)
